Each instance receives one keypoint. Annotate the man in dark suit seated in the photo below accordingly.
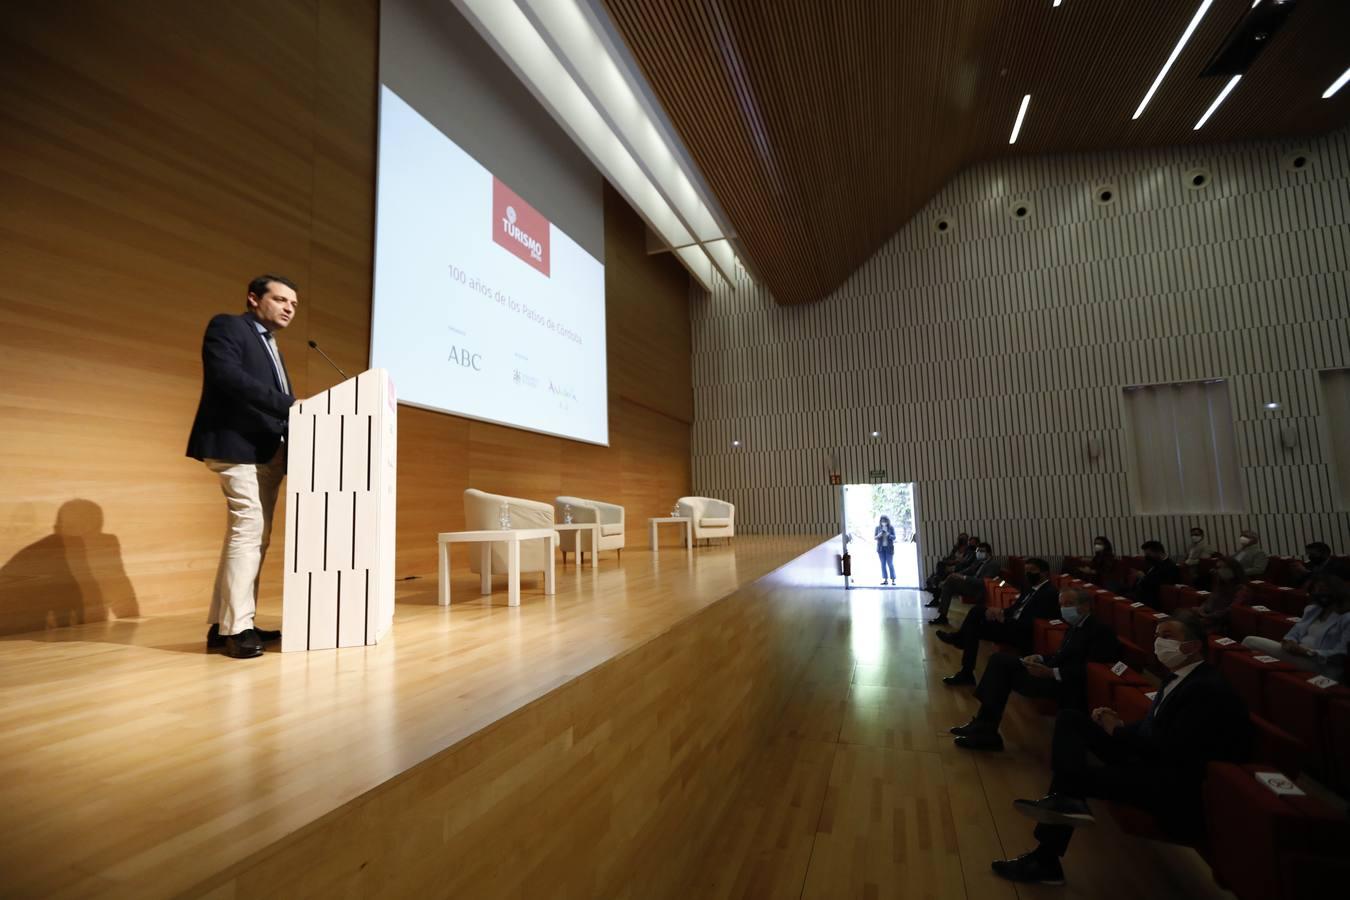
(240, 434)
(1061, 676)
(962, 555)
(1007, 626)
(967, 582)
(1158, 571)
(1157, 763)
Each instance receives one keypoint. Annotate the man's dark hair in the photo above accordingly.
(1039, 563)
(1153, 545)
(1191, 625)
(1079, 596)
(1319, 547)
(984, 546)
(258, 286)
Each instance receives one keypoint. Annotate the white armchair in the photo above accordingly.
(609, 515)
(711, 518)
(482, 512)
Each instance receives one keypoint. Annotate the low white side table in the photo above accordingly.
(511, 538)
(687, 522)
(594, 529)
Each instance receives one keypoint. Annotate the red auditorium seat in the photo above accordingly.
(1251, 829)
(1242, 620)
(1298, 703)
(1247, 673)
(1273, 624)
(1291, 601)
(1132, 701)
(1278, 748)
(1103, 679)
(1218, 644)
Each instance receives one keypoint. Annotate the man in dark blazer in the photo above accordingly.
(1158, 571)
(967, 581)
(240, 434)
(1007, 626)
(1061, 676)
(1157, 763)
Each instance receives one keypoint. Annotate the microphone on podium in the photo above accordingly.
(314, 346)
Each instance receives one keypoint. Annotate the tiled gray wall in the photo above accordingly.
(989, 356)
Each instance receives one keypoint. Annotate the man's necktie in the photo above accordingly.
(276, 361)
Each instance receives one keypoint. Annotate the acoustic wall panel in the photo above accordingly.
(990, 354)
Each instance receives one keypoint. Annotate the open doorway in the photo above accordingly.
(864, 505)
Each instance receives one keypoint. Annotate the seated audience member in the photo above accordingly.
(1199, 548)
(1011, 626)
(1250, 554)
(1102, 565)
(1319, 637)
(1158, 571)
(1157, 763)
(961, 553)
(1318, 562)
(1061, 676)
(966, 585)
(1227, 585)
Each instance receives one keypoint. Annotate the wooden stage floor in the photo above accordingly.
(133, 763)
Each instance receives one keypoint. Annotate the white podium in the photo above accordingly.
(340, 490)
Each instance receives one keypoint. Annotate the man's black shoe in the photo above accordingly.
(244, 645)
(940, 620)
(974, 726)
(215, 640)
(984, 740)
(948, 637)
(931, 604)
(1030, 868)
(1056, 809)
(960, 679)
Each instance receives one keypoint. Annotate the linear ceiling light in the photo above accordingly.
(1021, 114)
(1227, 89)
(1176, 51)
(1336, 85)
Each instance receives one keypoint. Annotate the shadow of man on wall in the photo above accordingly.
(72, 576)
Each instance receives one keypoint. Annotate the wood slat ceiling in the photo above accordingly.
(823, 126)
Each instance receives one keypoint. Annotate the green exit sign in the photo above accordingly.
(877, 476)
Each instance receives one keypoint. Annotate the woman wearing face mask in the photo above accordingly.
(1102, 564)
(1227, 588)
(1317, 641)
(1251, 555)
(885, 538)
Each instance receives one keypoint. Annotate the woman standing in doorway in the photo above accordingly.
(885, 536)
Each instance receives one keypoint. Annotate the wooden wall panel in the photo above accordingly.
(989, 355)
(142, 190)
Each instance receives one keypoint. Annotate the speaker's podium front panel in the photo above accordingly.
(340, 491)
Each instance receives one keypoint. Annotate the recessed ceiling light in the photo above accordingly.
(1058, 2)
(735, 443)
(1176, 51)
(876, 434)
(1227, 88)
(1337, 84)
(1272, 405)
(1256, 3)
(1021, 114)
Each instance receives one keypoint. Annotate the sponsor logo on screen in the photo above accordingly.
(518, 226)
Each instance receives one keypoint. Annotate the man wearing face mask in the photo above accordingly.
(1157, 763)
(1061, 676)
(1158, 571)
(1007, 626)
(1199, 548)
(1250, 555)
(967, 585)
